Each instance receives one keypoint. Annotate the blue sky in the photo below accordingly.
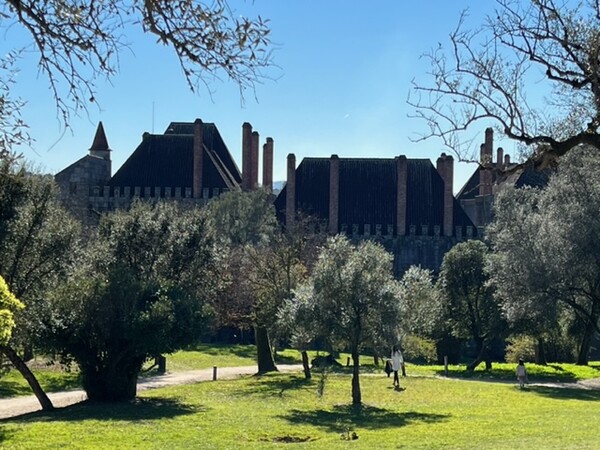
(343, 76)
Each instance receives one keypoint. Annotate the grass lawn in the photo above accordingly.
(265, 412)
(204, 356)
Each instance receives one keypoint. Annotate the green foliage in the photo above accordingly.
(431, 413)
(545, 246)
(141, 290)
(418, 350)
(8, 304)
(351, 300)
(471, 309)
(520, 347)
(244, 218)
(422, 308)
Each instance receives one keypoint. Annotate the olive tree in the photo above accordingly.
(546, 248)
(489, 74)
(351, 299)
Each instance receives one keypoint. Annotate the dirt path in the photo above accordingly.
(17, 406)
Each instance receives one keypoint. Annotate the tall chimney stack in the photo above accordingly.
(445, 167)
(401, 194)
(290, 196)
(267, 178)
(507, 160)
(499, 157)
(489, 145)
(334, 194)
(254, 159)
(246, 156)
(198, 155)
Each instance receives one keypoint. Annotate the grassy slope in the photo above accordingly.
(258, 412)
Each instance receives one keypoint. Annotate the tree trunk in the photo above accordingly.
(356, 395)
(263, 351)
(376, 359)
(29, 376)
(305, 365)
(111, 385)
(540, 352)
(480, 356)
(584, 347)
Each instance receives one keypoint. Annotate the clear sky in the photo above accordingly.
(344, 72)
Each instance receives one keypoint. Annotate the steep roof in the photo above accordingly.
(166, 160)
(100, 142)
(368, 193)
(528, 177)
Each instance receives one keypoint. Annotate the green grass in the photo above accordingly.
(264, 412)
(204, 356)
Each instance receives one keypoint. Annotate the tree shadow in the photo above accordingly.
(342, 417)
(138, 409)
(565, 393)
(272, 385)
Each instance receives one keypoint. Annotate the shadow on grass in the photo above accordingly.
(270, 385)
(564, 393)
(138, 409)
(348, 416)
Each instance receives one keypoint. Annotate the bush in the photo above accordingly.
(520, 347)
(419, 350)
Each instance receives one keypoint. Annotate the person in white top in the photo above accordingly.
(521, 374)
(397, 361)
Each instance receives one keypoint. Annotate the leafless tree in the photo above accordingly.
(79, 42)
(494, 74)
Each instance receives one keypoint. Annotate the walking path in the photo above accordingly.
(17, 406)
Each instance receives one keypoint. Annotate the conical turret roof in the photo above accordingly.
(100, 143)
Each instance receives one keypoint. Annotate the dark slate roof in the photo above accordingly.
(166, 160)
(368, 193)
(529, 177)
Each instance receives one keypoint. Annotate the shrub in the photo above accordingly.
(520, 347)
(419, 350)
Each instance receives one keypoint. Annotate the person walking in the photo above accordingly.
(397, 362)
(521, 374)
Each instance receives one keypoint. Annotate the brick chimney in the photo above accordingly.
(401, 194)
(445, 167)
(198, 155)
(499, 157)
(489, 145)
(485, 173)
(246, 156)
(254, 161)
(334, 194)
(267, 177)
(507, 160)
(290, 196)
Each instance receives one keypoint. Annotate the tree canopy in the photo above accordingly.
(351, 299)
(531, 69)
(546, 247)
(471, 309)
(142, 288)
